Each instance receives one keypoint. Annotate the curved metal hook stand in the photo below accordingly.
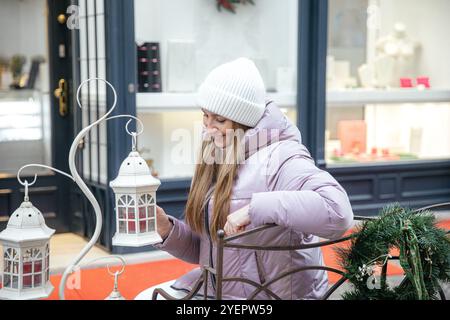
(84, 188)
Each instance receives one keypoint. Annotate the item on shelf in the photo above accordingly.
(423, 82)
(34, 71)
(16, 66)
(181, 66)
(149, 67)
(395, 57)
(384, 71)
(353, 136)
(285, 80)
(415, 140)
(402, 52)
(333, 148)
(4, 73)
(338, 74)
(366, 74)
(406, 82)
(228, 4)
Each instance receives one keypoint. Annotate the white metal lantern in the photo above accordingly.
(25, 241)
(135, 191)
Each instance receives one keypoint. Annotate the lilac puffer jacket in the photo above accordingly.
(283, 186)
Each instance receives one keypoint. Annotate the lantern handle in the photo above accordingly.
(35, 175)
(122, 260)
(26, 184)
(132, 134)
(103, 80)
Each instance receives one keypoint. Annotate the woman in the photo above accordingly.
(253, 170)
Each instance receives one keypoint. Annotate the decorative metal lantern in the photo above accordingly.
(25, 241)
(135, 191)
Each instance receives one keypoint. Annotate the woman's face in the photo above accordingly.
(217, 126)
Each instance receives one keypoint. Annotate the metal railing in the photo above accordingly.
(226, 242)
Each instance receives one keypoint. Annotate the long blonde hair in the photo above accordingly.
(218, 175)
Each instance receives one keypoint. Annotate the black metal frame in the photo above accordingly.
(122, 74)
(226, 242)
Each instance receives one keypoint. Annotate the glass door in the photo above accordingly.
(34, 105)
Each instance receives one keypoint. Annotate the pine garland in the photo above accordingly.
(424, 256)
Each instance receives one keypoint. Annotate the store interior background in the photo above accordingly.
(411, 124)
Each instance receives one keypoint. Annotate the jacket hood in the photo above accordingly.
(274, 126)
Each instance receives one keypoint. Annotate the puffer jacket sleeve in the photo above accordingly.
(181, 242)
(303, 198)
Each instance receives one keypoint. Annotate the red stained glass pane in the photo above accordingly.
(131, 213)
(131, 227)
(142, 213)
(38, 266)
(27, 281)
(27, 267)
(142, 226)
(37, 280)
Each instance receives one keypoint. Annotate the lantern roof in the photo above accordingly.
(26, 224)
(134, 172)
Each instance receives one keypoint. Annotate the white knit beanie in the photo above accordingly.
(234, 90)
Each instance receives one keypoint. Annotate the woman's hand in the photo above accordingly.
(163, 222)
(237, 221)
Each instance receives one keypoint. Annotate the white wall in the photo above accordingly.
(23, 28)
(266, 31)
(429, 23)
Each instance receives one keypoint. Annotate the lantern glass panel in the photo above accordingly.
(15, 268)
(7, 281)
(27, 282)
(131, 213)
(15, 282)
(142, 213)
(151, 211)
(122, 212)
(122, 200)
(142, 226)
(7, 266)
(151, 225)
(38, 266)
(37, 280)
(122, 227)
(27, 267)
(132, 227)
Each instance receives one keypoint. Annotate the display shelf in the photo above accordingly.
(156, 102)
(338, 98)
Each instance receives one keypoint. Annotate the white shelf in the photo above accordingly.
(156, 102)
(337, 98)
